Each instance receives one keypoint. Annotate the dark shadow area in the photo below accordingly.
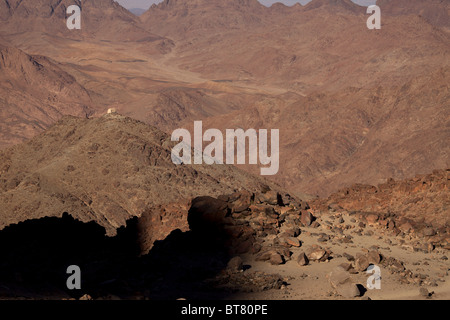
(362, 289)
(181, 265)
(34, 256)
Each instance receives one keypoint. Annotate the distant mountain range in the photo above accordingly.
(137, 11)
(352, 104)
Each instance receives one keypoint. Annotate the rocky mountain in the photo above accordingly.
(106, 170)
(352, 105)
(241, 64)
(206, 232)
(349, 88)
(137, 11)
(34, 93)
(101, 19)
(345, 6)
(178, 18)
(435, 12)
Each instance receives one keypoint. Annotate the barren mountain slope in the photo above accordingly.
(34, 93)
(100, 19)
(352, 104)
(374, 103)
(354, 136)
(297, 50)
(435, 12)
(107, 170)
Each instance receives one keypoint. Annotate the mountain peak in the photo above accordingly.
(221, 3)
(335, 5)
(204, 15)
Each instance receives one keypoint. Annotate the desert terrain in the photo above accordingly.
(363, 117)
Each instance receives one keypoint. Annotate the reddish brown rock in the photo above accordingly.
(276, 259)
(316, 253)
(306, 218)
(302, 259)
(362, 263)
(372, 218)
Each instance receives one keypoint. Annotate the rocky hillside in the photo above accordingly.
(107, 170)
(418, 207)
(34, 93)
(435, 11)
(101, 19)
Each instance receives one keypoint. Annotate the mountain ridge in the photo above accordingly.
(74, 167)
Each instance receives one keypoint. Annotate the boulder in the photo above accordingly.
(86, 297)
(372, 218)
(405, 227)
(287, 241)
(374, 257)
(269, 197)
(306, 218)
(316, 253)
(276, 259)
(242, 203)
(264, 255)
(293, 242)
(302, 259)
(340, 280)
(362, 263)
(235, 264)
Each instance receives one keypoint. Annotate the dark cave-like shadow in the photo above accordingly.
(34, 256)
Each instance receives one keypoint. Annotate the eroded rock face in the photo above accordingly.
(215, 220)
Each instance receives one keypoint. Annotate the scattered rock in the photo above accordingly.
(315, 224)
(317, 253)
(405, 227)
(374, 257)
(235, 264)
(269, 197)
(293, 242)
(341, 281)
(349, 257)
(302, 259)
(424, 292)
(396, 266)
(372, 218)
(306, 218)
(428, 232)
(362, 263)
(276, 259)
(85, 297)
